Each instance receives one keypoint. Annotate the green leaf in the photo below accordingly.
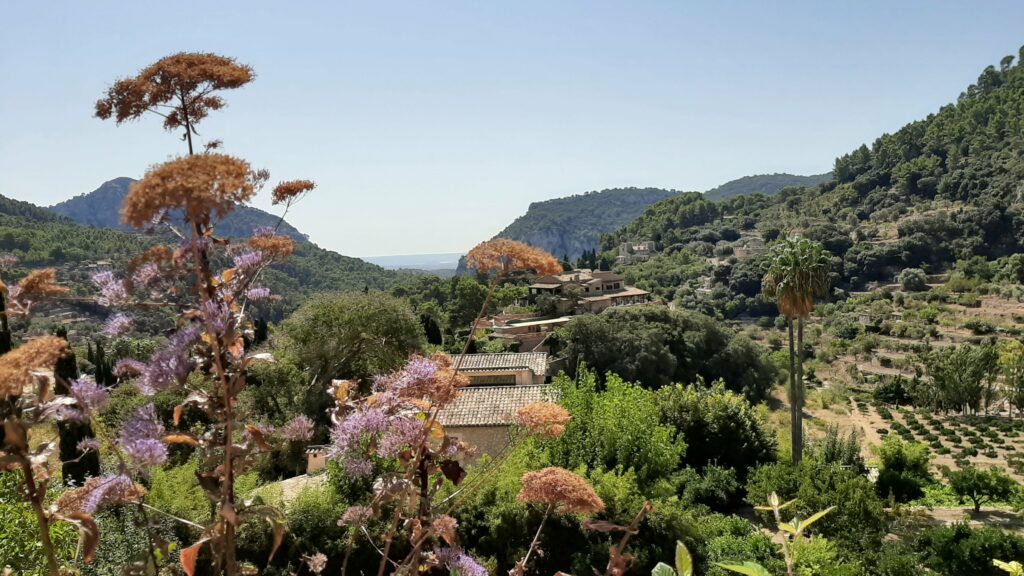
(812, 519)
(787, 527)
(684, 562)
(663, 569)
(748, 568)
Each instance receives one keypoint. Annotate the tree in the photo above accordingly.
(904, 470)
(656, 346)
(964, 377)
(981, 485)
(1011, 361)
(709, 418)
(616, 427)
(75, 466)
(798, 272)
(912, 280)
(353, 336)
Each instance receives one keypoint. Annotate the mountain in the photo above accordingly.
(767, 184)
(100, 209)
(939, 190)
(568, 226)
(40, 238)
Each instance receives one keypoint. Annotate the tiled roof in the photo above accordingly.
(535, 361)
(624, 293)
(491, 405)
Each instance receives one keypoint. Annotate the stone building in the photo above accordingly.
(482, 416)
(529, 335)
(506, 368)
(630, 252)
(588, 291)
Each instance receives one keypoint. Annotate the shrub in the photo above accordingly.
(959, 549)
(912, 280)
(903, 471)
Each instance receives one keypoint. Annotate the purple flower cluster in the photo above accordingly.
(351, 436)
(88, 445)
(263, 232)
(112, 290)
(8, 261)
(170, 364)
(356, 516)
(457, 560)
(145, 275)
(109, 490)
(129, 368)
(300, 429)
(413, 375)
(142, 439)
(403, 432)
(218, 314)
(89, 396)
(257, 293)
(118, 325)
(248, 261)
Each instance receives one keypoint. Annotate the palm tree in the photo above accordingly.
(798, 272)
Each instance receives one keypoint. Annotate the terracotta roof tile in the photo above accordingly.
(535, 361)
(491, 405)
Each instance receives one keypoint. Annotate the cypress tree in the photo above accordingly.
(75, 467)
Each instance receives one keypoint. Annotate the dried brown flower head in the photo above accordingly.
(543, 419)
(98, 493)
(17, 366)
(506, 256)
(558, 487)
(444, 527)
(291, 190)
(272, 247)
(198, 185)
(179, 87)
(38, 285)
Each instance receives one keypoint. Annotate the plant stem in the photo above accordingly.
(36, 497)
(521, 566)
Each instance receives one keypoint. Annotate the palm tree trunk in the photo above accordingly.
(795, 426)
(800, 383)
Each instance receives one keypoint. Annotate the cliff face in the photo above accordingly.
(566, 227)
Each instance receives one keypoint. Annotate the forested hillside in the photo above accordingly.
(39, 238)
(99, 209)
(939, 190)
(568, 226)
(764, 183)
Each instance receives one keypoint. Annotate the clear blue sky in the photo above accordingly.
(430, 125)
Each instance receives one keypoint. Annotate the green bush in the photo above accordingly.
(959, 550)
(19, 531)
(903, 471)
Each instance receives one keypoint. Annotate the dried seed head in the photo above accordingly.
(505, 256)
(18, 365)
(558, 487)
(543, 419)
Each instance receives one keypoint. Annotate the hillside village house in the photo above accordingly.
(588, 291)
(630, 252)
(748, 247)
(529, 335)
(482, 416)
(499, 385)
(506, 368)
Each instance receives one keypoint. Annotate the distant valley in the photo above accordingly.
(427, 262)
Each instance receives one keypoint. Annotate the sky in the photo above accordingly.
(430, 125)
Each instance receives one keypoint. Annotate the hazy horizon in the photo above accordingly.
(444, 122)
